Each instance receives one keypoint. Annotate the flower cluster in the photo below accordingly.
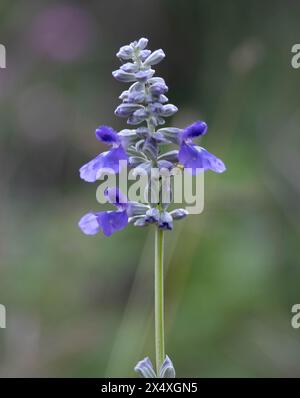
(145, 106)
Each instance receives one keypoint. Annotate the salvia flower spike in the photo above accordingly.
(145, 106)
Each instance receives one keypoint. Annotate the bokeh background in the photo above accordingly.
(81, 306)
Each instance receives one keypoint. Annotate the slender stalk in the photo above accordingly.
(159, 299)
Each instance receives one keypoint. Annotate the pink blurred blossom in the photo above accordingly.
(62, 32)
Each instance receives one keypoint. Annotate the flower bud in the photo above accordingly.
(160, 138)
(152, 215)
(168, 110)
(136, 96)
(144, 54)
(134, 120)
(125, 110)
(144, 75)
(125, 52)
(122, 76)
(171, 156)
(155, 108)
(142, 43)
(163, 99)
(160, 120)
(165, 221)
(136, 209)
(142, 132)
(178, 214)
(155, 57)
(150, 148)
(124, 95)
(171, 133)
(141, 113)
(127, 137)
(154, 80)
(129, 67)
(158, 88)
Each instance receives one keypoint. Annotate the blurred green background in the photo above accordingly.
(81, 306)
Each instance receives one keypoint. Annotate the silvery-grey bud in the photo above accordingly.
(142, 43)
(171, 156)
(136, 160)
(128, 137)
(155, 108)
(152, 215)
(136, 209)
(160, 120)
(159, 80)
(137, 97)
(125, 110)
(134, 120)
(144, 54)
(158, 89)
(150, 148)
(155, 57)
(144, 75)
(139, 145)
(125, 52)
(171, 133)
(163, 99)
(122, 76)
(178, 214)
(168, 110)
(141, 113)
(137, 92)
(129, 67)
(160, 138)
(142, 132)
(124, 95)
(165, 221)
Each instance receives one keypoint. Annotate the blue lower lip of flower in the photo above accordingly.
(112, 221)
(197, 158)
(106, 221)
(89, 224)
(88, 172)
(113, 157)
(110, 160)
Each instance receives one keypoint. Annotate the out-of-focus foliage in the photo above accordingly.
(82, 306)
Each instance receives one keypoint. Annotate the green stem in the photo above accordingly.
(159, 299)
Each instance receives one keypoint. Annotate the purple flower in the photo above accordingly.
(110, 159)
(107, 221)
(195, 157)
(194, 130)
